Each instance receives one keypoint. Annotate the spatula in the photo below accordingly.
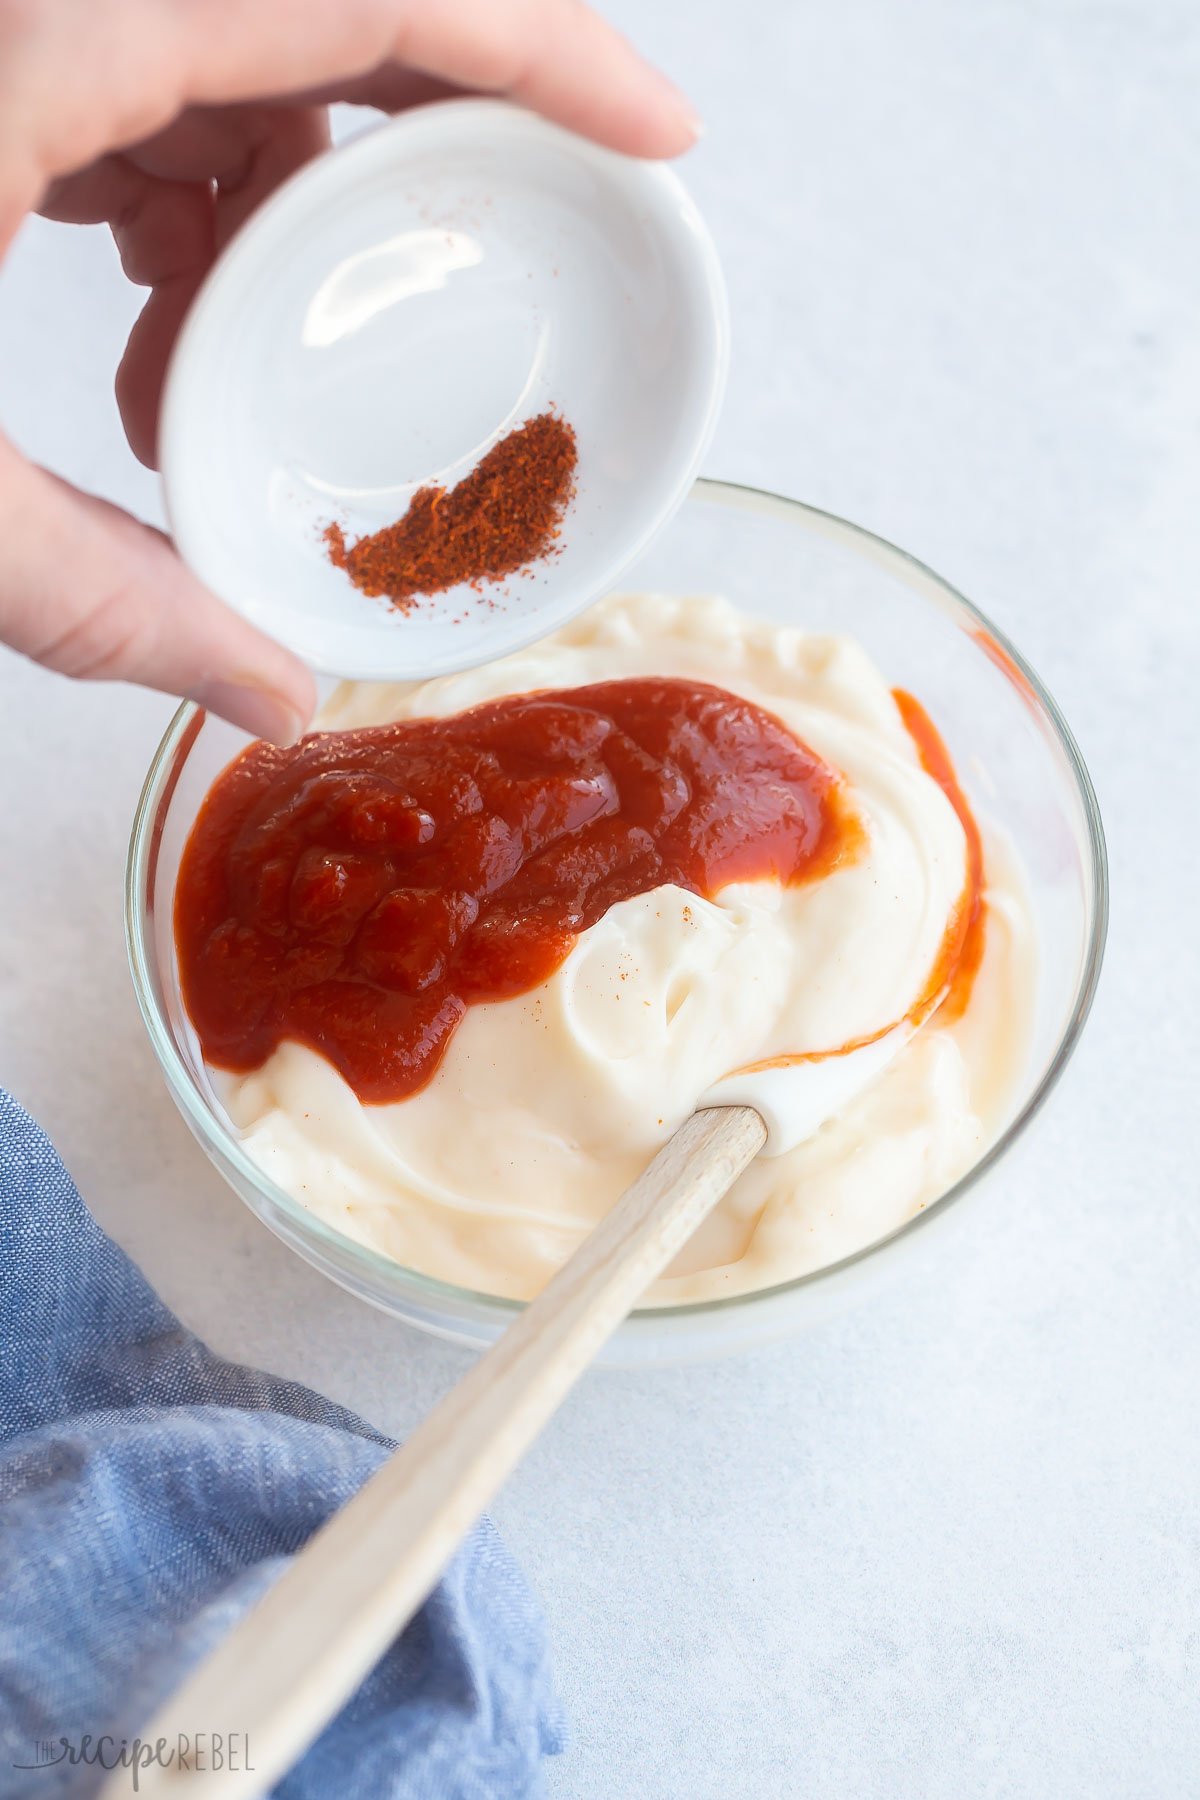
(298, 1655)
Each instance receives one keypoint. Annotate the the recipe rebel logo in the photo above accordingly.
(203, 1751)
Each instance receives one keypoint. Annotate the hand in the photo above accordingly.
(170, 120)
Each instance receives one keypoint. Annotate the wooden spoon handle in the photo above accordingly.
(296, 1657)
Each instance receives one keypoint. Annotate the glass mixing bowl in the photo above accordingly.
(1013, 750)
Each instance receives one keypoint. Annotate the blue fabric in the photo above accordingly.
(149, 1491)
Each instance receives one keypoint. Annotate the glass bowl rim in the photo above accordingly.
(381, 1271)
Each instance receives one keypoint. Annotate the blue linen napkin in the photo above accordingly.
(150, 1491)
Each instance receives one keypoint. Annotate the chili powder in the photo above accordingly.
(505, 514)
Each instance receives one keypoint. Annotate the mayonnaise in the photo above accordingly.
(547, 1105)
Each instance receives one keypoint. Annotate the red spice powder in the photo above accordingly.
(505, 514)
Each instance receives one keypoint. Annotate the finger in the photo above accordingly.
(556, 57)
(290, 137)
(142, 370)
(391, 88)
(87, 590)
(169, 237)
(651, 119)
(165, 232)
(169, 223)
(71, 88)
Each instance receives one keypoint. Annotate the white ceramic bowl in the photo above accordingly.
(391, 311)
(1013, 751)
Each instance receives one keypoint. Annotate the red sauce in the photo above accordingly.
(962, 947)
(359, 891)
(949, 984)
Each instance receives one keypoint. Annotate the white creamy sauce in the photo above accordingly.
(546, 1106)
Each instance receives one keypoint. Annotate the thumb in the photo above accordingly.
(87, 590)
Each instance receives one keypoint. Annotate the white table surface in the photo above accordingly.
(951, 1545)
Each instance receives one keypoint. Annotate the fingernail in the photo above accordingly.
(681, 106)
(262, 714)
(691, 118)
